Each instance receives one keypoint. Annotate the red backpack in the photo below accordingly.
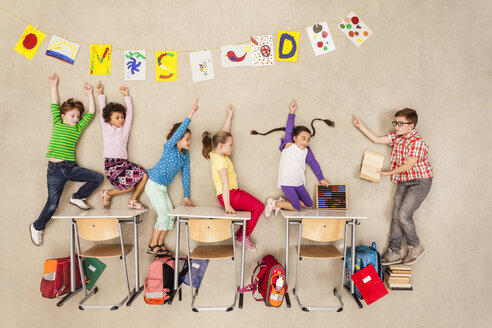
(56, 278)
(269, 281)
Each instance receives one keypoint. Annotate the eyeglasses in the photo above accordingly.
(400, 124)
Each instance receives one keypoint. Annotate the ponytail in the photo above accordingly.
(254, 132)
(210, 142)
(328, 122)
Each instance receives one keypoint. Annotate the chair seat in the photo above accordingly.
(106, 250)
(320, 251)
(212, 252)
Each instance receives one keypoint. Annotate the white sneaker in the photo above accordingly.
(277, 209)
(270, 207)
(80, 203)
(36, 235)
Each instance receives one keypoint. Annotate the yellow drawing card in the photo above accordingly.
(29, 42)
(166, 66)
(100, 60)
(287, 46)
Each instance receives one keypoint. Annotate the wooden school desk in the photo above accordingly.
(295, 217)
(182, 215)
(124, 215)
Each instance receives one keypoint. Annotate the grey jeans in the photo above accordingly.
(408, 197)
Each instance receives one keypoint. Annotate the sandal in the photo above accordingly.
(164, 251)
(105, 203)
(157, 252)
(132, 203)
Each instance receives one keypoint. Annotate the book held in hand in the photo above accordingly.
(371, 164)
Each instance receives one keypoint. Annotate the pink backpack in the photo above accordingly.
(160, 282)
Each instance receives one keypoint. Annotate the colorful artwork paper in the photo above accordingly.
(355, 29)
(287, 46)
(166, 66)
(236, 55)
(29, 42)
(321, 39)
(62, 49)
(202, 67)
(263, 52)
(135, 63)
(100, 60)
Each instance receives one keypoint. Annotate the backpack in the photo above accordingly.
(159, 283)
(364, 256)
(56, 277)
(269, 281)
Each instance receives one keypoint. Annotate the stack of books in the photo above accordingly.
(398, 277)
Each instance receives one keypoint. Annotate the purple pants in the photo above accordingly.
(297, 194)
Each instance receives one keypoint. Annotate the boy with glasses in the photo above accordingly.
(411, 170)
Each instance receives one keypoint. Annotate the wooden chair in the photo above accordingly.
(101, 230)
(322, 230)
(209, 231)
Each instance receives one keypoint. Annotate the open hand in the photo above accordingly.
(87, 88)
(229, 210)
(187, 202)
(124, 91)
(53, 80)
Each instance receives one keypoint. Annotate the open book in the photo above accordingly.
(371, 163)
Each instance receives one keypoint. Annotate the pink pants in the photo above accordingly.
(242, 201)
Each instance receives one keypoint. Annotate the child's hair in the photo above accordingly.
(210, 142)
(409, 114)
(71, 104)
(111, 108)
(298, 129)
(174, 128)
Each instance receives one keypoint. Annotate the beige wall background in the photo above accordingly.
(430, 55)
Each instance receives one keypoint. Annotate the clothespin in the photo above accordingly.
(65, 37)
(36, 28)
(100, 44)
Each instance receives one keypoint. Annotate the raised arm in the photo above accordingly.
(194, 109)
(129, 108)
(53, 80)
(102, 101)
(369, 134)
(287, 141)
(227, 124)
(90, 96)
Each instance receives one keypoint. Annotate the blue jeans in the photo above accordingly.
(408, 197)
(58, 174)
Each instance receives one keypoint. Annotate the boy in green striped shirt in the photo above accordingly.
(62, 167)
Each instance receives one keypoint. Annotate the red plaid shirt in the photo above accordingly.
(409, 145)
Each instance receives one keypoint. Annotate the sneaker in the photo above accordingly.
(277, 209)
(249, 245)
(391, 257)
(413, 254)
(80, 203)
(36, 235)
(270, 207)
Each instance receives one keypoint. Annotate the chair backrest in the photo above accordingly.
(323, 229)
(210, 230)
(97, 229)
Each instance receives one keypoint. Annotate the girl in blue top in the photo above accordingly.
(175, 157)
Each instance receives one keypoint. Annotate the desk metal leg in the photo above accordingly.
(138, 289)
(287, 236)
(351, 290)
(176, 268)
(241, 284)
(73, 289)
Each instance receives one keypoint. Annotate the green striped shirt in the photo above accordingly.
(64, 137)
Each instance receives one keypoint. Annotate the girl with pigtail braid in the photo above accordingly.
(295, 155)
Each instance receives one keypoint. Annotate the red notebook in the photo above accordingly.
(369, 284)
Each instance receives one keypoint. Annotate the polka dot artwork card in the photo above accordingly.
(355, 29)
(29, 42)
(135, 65)
(320, 37)
(202, 67)
(287, 46)
(236, 55)
(263, 52)
(100, 61)
(62, 49)
(166, 66)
